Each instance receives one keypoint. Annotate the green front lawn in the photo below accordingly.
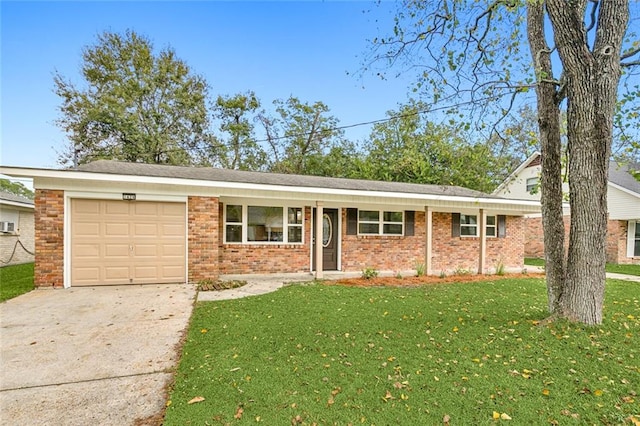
(611, 267)
(15, 280)
(321, 354)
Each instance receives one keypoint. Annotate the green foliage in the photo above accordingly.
(239, 150)
(384, 356)
(368, 273)
(420, 269)
(15, 280)
(133, 105)
(409, 148)
(500, 268)
(15, 188)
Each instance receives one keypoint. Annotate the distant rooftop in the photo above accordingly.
(7, 196)
(263, 178)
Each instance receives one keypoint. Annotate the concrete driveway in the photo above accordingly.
(98, 355)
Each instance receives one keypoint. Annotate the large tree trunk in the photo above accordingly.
(592, 81)
(549, 132)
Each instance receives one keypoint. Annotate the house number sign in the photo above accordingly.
(128, 196)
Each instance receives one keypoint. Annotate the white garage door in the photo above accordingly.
(127, 242)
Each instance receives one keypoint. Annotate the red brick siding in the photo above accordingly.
(616, 245)
(49, 238)
(266, 258)
(203, 242)
(384, 252)
(462, 253)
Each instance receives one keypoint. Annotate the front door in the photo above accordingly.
(330, 233)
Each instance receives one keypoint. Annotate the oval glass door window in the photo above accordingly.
(327, 230)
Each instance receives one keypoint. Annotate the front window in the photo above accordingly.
(636, 251)
(375, 222)
(532, 185)
(491, 226)
(263, 224)
(468, 225)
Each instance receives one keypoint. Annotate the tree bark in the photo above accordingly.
(551, 146)
(592, 77)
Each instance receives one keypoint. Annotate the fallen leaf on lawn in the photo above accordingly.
(204, 330)
(296, 420)
(598, 392)
(634, 420)
(545, 392)
(387, 397)
(336, 391)
(505, 416)
(496, 415)
(446, 419)
(238, 414)
(195, 400)
(330, 402)
(627, 399)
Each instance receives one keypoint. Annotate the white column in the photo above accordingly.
(482, 223)
(429, 240)
(318, 237)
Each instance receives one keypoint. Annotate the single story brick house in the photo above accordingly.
(112, 222)
(16, 229)
(623, 205)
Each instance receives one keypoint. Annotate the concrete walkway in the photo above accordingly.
(90, 356)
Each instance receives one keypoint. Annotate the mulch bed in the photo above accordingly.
(209, 285)
(431, 279)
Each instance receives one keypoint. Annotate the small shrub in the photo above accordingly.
(420, 269)
(442, 274)
(461, 271)
(500, 268)
(368, 273)
(398, 275)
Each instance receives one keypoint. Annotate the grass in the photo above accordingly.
(611, 267)
(15, 280)
(320, 354)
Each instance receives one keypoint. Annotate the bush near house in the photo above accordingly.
(15, 280)
(462, 353)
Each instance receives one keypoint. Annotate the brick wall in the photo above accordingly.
(49, 238)
(383, 252)
(203, 241)
(266, 258)
(462, 253)
(616, 244)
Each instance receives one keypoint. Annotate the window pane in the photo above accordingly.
(491, 231)
(234, 233)
(294, 215)
(392, 229)
(368, 228)
(468, 230)
(637, 230)
(295, 234)
(264, 223)
(468, 219)
(369, 215)
(392, 216)
(234, 214)
(491, 220)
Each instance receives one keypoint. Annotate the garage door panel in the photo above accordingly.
(121, 242)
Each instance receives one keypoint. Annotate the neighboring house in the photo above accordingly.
(117, 223)
(16, 229)
(623, 199)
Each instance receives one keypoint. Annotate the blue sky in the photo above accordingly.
(276, 49)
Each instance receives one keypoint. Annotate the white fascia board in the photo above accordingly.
(17, 204)
(623, 189)
(312, 193)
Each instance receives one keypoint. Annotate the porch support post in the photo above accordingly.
(318, 239)
(428, 214)
(482, 223)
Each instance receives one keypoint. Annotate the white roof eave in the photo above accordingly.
(523, 206)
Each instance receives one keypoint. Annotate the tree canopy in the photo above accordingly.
(134, 105)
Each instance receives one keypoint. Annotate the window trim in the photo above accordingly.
(381, 223)
(532, 188)
(477, 225)
(245, 225)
